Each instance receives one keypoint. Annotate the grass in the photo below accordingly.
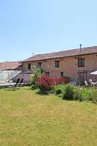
(29, 119)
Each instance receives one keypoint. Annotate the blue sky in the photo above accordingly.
(41, 26)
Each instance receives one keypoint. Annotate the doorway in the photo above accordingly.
(81, 78)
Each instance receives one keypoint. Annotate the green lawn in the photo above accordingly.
(29, 119)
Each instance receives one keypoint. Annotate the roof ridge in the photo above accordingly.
(10, 62)
(72, 49)
(64, 53)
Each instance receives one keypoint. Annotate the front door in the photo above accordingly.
(82, 77)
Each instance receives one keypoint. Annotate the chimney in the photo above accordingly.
(80, 46)
(33, 54)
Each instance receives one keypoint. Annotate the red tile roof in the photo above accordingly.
(62, 54)
(9, 65)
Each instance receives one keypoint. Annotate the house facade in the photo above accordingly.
(77, 64)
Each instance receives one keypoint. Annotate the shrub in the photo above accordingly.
(45, 83)
(72, 93)
(93, 96)
(58, 91)
(34, 86)
(38, 72)
(77, 95)
(60, 86)
(86, 92)
(68, 92)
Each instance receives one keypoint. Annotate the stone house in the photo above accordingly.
(77, 64)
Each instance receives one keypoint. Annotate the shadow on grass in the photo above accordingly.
(11, 89)
(30, 87)
(59, 95)
(39, 92)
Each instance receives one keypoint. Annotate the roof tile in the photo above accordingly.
(9, 65)
(61, 54)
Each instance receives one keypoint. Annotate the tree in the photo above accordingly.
(38, 72)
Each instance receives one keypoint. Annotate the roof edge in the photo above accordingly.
(57, 57)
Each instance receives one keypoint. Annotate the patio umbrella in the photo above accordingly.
(94, 73)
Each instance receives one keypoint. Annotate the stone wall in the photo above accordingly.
(69, 66)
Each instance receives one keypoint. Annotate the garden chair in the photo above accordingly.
(20, 82)
(17, 82)
(14, 87)
(86, 83)
(92, 84)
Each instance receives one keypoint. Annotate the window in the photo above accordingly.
(62, 74)
(29, 66)
(39, 64)
(47, 73)
(81, 62)
(57, 63)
